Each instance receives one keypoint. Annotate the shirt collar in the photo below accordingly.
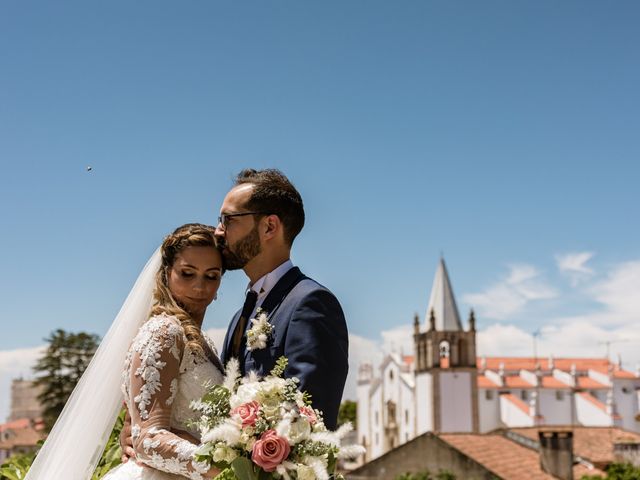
(265, 283)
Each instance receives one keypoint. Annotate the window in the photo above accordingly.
(391, 375)
(488, 394)
(406, 417)
(626, 390)
(377, 439)
(524, 395)
(559, 395)
(444, 349)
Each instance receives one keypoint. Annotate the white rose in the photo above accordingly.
(246, 393)
(224, 454)
(305, 473)
(299, 430)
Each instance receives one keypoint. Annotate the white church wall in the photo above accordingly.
(488, 409)
(390, 379)
(424, 403)
(363, 414)
(455, 402)
(406, 413)
(377, 437)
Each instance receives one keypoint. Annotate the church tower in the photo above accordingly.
(445, 364)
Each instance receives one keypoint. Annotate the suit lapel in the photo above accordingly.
(275, 297)
(281, 289)
(228, 338)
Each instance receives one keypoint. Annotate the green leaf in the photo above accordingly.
(243, 468)
(279, 368)
(226, 474)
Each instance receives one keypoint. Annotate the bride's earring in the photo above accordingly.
(215, 297)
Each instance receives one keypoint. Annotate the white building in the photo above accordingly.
(445, 388)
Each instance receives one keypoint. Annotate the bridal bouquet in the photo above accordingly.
(258, 429)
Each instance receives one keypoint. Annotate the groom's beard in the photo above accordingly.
(244, 250)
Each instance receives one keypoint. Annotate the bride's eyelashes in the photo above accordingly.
(212, 277)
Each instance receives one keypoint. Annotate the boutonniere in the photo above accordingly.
(260, 331)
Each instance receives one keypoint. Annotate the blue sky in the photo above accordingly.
(504, 134)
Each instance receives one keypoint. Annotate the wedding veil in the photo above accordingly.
(75, 444)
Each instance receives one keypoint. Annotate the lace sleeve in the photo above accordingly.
(155, 362)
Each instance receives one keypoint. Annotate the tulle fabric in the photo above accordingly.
(75, 444)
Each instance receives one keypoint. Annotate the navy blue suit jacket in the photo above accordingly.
(311, 331)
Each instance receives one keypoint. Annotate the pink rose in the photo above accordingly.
(310, 413)
(270, 451)
(248, 413)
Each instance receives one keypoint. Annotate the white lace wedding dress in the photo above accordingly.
(160, 379)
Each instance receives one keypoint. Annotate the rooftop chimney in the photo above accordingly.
(627, 452)
(556, 453)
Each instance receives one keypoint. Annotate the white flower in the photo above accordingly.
(247, 392)
(224, 454)
(294, 432)
(305, 473)
(258, 334)
(232, 374)
(228, 431)
(319, 466)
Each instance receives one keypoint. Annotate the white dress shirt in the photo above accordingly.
(266, 283)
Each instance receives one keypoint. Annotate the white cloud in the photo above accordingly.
(575, 339)
(361, 350)
(398, 340)
(522, 285)
(574, 266)
(15, 364)
(619, 292)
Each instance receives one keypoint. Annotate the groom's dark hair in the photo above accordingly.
(274, 194)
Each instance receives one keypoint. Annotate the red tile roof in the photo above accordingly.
(516, 381)
(588, 382)
(15, 424)
(552, 382)
(22, 437)
(485, 382)
(505, 458)
(623, 374)
(593, 443)
(529, 363)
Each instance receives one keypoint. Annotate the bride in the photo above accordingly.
(166, 366)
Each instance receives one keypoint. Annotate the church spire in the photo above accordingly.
(442, 301)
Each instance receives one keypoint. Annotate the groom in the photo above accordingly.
(259, 219)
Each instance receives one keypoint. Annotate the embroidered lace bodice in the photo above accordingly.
(160, 379)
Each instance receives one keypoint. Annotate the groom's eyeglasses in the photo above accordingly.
(223, 219)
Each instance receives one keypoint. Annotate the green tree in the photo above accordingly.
(16, 466)
(348, 413)
(617, 471)
(60, 368)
